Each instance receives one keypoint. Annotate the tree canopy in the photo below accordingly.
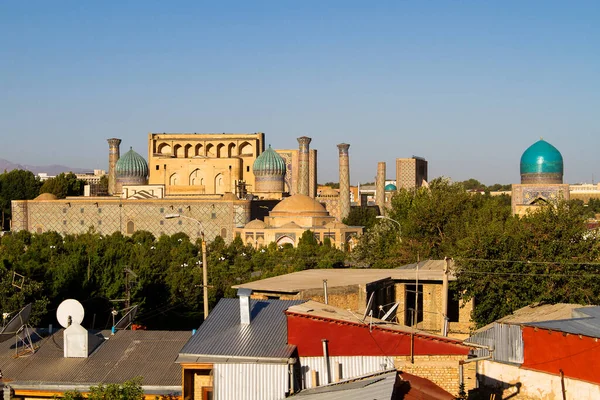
(63, 185)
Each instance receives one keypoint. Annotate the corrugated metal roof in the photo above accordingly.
(149, 354)
(222, 334)
(376, 387)
(588, 325)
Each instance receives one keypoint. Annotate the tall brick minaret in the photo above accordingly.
(380, 187)
(303, 165)
(113, 156)
(344, 180)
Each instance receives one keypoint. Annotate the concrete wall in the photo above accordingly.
(526, 384)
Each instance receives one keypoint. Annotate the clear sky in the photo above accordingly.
(468, 85)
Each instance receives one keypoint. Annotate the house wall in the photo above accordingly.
(250, 381)
(547, 351)
(524, 384)
(357, 339)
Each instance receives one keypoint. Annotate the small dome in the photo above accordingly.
(46, 196)
(131, 165)
(291, 225)
(229, 196)
(390, 187)
(542, 162)
(299, 203)
(255, 224)
(269, 163)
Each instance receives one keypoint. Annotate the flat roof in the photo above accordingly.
(313, 278)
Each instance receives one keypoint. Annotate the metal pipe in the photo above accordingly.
(325, 291)
(327, 369)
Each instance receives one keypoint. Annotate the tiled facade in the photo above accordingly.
(109, 215)
(410, 172)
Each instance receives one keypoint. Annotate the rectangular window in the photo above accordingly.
(99, 222)
(157, 167)
(162, 210)
(162, 222)
(82, 210)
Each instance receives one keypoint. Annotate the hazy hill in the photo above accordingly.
(6, 165)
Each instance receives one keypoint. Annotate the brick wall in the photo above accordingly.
(441, 370)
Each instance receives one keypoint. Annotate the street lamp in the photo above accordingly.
(394, 221)
(204, 268)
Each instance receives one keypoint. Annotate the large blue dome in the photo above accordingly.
(542, 163)
(132, 165)
(269, 163)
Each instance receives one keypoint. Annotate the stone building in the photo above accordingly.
(411, 172)
(291, 218)
(541, 178)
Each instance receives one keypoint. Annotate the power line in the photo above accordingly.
(531, 262)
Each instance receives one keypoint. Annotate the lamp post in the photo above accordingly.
(394, 221)
(204, 267)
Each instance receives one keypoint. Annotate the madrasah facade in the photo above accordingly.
(218, 184)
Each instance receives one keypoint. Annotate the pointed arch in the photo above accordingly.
(174, 180)
(220, 150)
(230, 150)
(285, 240)
(196, 178)
(210, 150)
(130, 227)
(219, 184)
(245, 149)
(178, 151)
(164, 148)
(187, 152)
(199, 150)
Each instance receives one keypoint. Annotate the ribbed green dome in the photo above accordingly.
(541, 158)
(269, 163)
(131, 165)
(390, 187)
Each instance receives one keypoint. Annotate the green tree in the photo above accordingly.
(17, 184)
(128, 390)
(362, 216)
(63, 185)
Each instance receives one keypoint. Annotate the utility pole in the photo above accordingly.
(204, 278)
(444, 330)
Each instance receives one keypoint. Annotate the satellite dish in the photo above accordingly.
(127, 318)
(70, 312)
(369, 304)
(15, 324)
(387, 314)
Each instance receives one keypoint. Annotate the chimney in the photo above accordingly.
(244, 295)
(344, 180)
(75, 341)
(303, 165)
(113, 157)
(380, 188)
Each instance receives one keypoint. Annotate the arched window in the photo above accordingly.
(210, 150)
(219, 184)
(199, 151)
(174, 180)
(231, 150)
(220, 150)
(245, 149)
(224, 233)
(130, 227)
(187, 153)
(164, 148)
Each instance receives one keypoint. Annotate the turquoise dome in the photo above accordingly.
(131, 165)
(541, 158)
(269, 163)
(390, 187)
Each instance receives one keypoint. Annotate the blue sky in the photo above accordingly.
(468, 85)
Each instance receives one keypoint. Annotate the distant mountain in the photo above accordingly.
(54, 169)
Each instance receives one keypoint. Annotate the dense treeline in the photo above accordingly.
(20, 184)
(92, 268)
(503, 261)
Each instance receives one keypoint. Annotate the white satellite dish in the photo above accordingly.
(369, 304)
(391, 310)
(70, 312)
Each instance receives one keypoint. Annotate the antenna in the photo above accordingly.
(70, 312)
(18, 280)
(127, 319)
(369, 304)
(391, 310)
(19, 328)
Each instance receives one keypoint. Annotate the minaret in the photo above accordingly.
(303, 165)
(312, 173)
(380, 188)
(344, 180)
(113, 157)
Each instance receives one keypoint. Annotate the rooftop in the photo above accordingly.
(223, 337)
(583, 321)
(295, 282)
(126, 355)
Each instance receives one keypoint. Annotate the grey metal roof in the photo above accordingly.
(126, 355)
(222, 334)
(378, 387)
(588, 324)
